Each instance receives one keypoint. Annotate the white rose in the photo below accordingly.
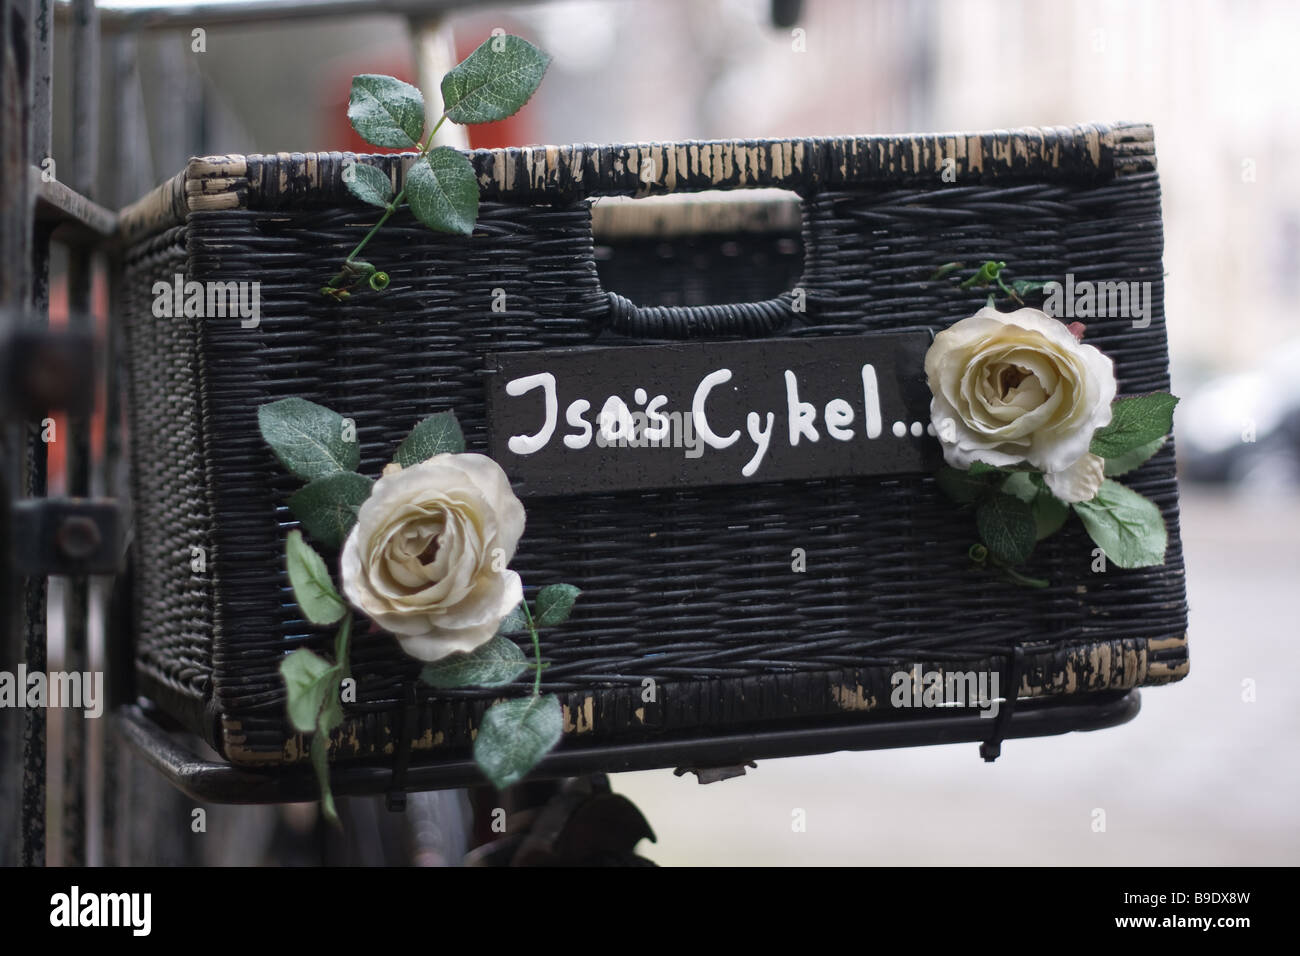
(427, 557)
(1018, 387)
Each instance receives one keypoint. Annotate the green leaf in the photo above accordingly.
(327, 507)
(369, 184)
(443, 191)
(1130, 460)
(312, 587)
(986, 273)
(1134, 422)
(1021, 484)
(515, 621)
(1049, 512)
(1126, 526)
(1006, 526)
(331, 711)
(341, 639)
(963, 487)
(307, 679)
(1025, 286)
(386, 111)
(315, 707)
(494, 81)
(497, 662)
(555, 603)
(307, 438)
(978, 468)
(320, 761)
(436, 434)
(515, 735)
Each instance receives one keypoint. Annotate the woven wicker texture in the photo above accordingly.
(174, 605)
(693, 589)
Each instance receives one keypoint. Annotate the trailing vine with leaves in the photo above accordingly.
(319, 446)
(441, 188)
(312, 442)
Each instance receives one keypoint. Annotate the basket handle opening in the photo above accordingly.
(672, 267)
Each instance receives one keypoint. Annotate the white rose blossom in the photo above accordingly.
(1018, 387)
(427, 557)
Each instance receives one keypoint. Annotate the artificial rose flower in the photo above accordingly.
(427, 557)
(1018, 387)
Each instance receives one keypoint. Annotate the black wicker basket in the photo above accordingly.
(692, 588)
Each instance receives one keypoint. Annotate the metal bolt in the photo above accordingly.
(78, 537)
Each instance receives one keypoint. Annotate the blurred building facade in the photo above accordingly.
(1215, 77)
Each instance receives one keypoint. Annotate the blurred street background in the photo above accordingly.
(1208, 772)
(1201, 776)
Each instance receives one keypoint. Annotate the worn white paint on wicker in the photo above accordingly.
(220, 182)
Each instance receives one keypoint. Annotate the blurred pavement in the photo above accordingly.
(1199, 777)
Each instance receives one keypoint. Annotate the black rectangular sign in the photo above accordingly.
(582, 420)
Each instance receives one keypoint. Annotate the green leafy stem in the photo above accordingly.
(319, 446)
(1014, 509)
(989, 275)
(440, 187)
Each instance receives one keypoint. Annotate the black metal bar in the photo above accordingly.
(79, 219)
(42, 80)
(216, 782)
(114, 637)
(36, 370)
(85, 96)
(34, 478)
(134, 170)
(15, 290)
(34, 718)
(35, 628)
(76, 607)
(131, 172)
(15, 154)
(11, 622)
(208, 14)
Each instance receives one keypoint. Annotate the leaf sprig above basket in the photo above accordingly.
(1032, 430)
(988, 276)
(425, 551)
(441, 188)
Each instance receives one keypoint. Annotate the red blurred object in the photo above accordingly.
(56, 450)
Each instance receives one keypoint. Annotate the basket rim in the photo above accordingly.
(1097, 151)
(1048, 671)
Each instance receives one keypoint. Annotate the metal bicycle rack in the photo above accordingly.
(44, 369)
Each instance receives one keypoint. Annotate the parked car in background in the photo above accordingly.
(1244, 429)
